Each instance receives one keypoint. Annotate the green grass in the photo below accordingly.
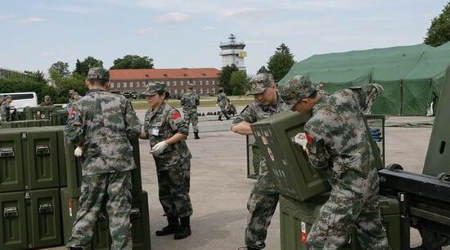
(204, 102)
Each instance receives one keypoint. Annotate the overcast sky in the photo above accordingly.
(186, 33)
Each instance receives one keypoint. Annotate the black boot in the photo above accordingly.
(220, 117)
(185, 228)
(196, 135)
(171, 228)
(75, 248)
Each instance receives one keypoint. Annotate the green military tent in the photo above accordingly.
(411, 75)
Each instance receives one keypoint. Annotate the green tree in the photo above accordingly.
(83, 67)
(280, 63)
(263, 69)
(225, 76)
(59, 70)
(439, 31)
(239, 83)
(133, 62)
(37, 76)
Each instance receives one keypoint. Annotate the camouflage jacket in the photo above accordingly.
(189, 102)
(339, 138)
(103, 123)
(161, 125)
(5, 111)
(222, 100)
(256, 112)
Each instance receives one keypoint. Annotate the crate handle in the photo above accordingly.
(9, 212)
(6, 152)
(46, 208)
(135, 212)
(42, 150)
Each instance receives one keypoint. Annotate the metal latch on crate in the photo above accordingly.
(9, 212)
(42, 150)
(46, 208)
(6, 152)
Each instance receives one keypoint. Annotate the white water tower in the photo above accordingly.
(233, 53)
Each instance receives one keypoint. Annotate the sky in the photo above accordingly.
(34, 34)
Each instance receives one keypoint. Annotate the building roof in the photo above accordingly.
(181, 73)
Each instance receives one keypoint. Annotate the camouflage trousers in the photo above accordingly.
(174, 185)
(344, 211)
(191, 117)
(261, 206)
(110, 191)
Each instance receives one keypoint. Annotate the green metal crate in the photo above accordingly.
(139, 219)
(30, 219)
(253, 157)
(295, 215)
(286, 160)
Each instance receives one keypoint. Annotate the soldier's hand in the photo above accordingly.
(78, 151)
(159, 148)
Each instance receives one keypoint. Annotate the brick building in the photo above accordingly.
(206, 80)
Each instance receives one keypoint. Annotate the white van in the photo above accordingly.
(21, 100)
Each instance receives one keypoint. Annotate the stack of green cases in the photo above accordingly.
(296, 219)
(139, 219)
(25, 123)
(31, 162)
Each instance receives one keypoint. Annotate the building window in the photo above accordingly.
(207, 83)
(201, 83)
(176, 91)
(181, 83)
(207, 91)
(201, 91)
(111, 85)
(131, 84)
(124, 84)
(182, 91)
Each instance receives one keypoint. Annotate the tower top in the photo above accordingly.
(232, 43)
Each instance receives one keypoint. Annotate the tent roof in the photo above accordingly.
(387, 64)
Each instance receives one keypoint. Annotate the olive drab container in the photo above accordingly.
(139, 219)
(296, 219)
(73, 170)
(30, 158)
(285, 159)
(253, 157)
(438, 154)
(30, 219)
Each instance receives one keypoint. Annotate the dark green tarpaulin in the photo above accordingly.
(411, 75)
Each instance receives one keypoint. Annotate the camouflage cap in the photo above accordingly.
(296, 89)
(155, 88)
(259, 83)
(98, 73)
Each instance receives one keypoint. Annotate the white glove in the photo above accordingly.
(159, 148)
(301, 140)
(78, 151)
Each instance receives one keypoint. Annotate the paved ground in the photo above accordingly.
(220, 189)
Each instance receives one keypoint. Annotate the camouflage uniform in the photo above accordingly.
(264, 196)
(103, 124)
(173, 164)
(341, 144)
(47, 101)
(5, 111)
(223, 102)
(189, 102)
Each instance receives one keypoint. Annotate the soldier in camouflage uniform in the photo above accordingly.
(102, 125)
(5, 109)
(339, 142)
(222, 101)
(47, 101)
(189, 101)
(167, 132)
(264, 196)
